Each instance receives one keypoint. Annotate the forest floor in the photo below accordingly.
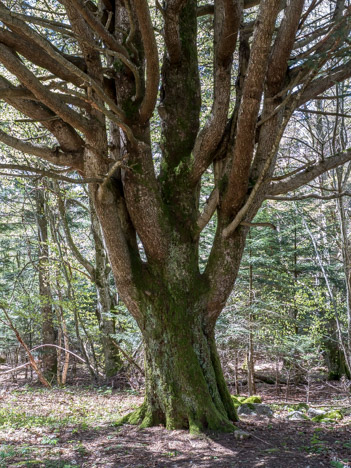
(74, 427)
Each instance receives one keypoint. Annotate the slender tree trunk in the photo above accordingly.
(47, 314)
(250, 345)
(113, 360)
(59, 352)
(64, 333)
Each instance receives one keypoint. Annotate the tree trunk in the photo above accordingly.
(334, 356)
(185, 386)
(113, 360)
(47, 314)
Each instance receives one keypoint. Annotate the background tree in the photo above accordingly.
(89, 73)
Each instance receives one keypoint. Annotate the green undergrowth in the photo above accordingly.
(58, 408)
(330, 416)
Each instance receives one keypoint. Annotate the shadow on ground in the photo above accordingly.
(273, 444)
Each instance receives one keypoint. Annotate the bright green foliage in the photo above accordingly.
(330, 416)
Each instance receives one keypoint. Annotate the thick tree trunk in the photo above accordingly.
(185, 386)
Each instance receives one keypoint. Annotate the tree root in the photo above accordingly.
(144, 417)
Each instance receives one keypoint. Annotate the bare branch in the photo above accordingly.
(283, 45)
(6, 16)
(30, 81)
(309, 174)
(253, 225)
(53, 155)
(310, 196)
(295, 171)
(321, 84)
(152, 62)
(250, 105)
(45, 173)
(63, 28)
(226, 22)
(69, 140)
(334, 114)
(210, 208)
(74, 249)
(99, 28)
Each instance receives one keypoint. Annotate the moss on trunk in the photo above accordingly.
(185, 386)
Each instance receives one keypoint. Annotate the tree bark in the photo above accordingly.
(47, 314)
(185, 386)
(113, 360)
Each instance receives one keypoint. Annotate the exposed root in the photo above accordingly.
(144, 417)
(135, 417)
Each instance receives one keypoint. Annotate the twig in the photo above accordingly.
(130, 359)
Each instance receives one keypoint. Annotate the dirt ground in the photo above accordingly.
(74, 427)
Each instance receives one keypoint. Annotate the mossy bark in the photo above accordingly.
(185, 386)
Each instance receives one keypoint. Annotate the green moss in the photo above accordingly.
(134, 418)
(253, 399)
(236, 402)
(335, 415)
(241, 399)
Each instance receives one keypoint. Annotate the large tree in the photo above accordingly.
(94, 73)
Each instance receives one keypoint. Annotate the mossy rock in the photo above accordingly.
(297, 416)
(253, 399)
(328, 417)
(236, 401)
(241, 399)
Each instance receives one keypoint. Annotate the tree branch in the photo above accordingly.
(319, 85)
(282, 46)
(253, 225)
(309, 174)
(210, 208)
(45, 173)
(53, 155)
(310, 196)
(226, 24)
(37, 55)
(6, 16)
(74, 249)
(31, 82)
(250, 105)
(152, 62)
(99, 28)
(68, 138)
